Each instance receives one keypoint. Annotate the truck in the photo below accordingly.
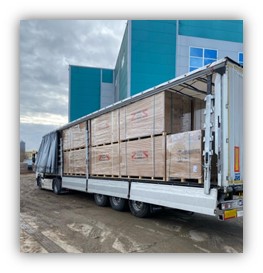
(84, 155)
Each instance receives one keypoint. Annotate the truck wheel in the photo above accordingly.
(101, 200)
(139, 209)
(118, 203)
(39, 184)
(57, 185)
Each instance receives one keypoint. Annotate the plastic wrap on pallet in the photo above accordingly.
(143, 158)
(199, 117)
(105, 128)
(105, 160)
(74, 137)
(184, 155)
(177, 113)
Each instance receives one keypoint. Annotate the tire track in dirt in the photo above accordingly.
(44, 241)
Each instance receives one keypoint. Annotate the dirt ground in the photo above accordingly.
(72, 223)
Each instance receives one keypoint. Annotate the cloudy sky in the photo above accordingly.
(47, 47)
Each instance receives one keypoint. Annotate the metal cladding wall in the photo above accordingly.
(84, 91)
(89, 90)
(153, 49)
(151, 52)
(107, 75)
(107, 96)
(121, 70)
(225, 30)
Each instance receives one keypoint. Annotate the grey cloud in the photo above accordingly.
(47, 47)
(32, 134)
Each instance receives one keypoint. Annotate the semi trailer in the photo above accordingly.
(177, 145)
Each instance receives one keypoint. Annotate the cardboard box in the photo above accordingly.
(105, 160)
(143, 158)
(184, 155)
(75, 162)
(105, 128)
(165, 112)
(74, 137)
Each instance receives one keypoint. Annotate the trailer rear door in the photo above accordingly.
(235, 86)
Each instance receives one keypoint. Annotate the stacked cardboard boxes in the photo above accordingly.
(74, 137)
(105, 160)
(143, 158)
(150, 139)
(74, 150)
(75, 161)
(165, 112)
(105, 128)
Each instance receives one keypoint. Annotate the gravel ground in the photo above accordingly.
(72, 223)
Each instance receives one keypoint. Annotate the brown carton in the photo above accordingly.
(143, 158)
(75, 162)
(105, 160)
(74, 137)
(105, 128)
(165, 112)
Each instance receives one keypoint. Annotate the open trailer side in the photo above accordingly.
(177, 145)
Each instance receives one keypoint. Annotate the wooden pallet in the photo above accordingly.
(74, 174)
(143, 137)
(142, 177)
(74, 149)
(106, 144)
(105, 175)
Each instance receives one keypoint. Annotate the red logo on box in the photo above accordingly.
(104, 157)
(139, 115)
(140, 155)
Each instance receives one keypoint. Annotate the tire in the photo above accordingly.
(39, 184)
(118, 203)
(101, 200)
(57, 187)
(139, 209)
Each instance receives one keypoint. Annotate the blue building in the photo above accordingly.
(152, 52)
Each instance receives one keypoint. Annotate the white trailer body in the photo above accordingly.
(220, 84)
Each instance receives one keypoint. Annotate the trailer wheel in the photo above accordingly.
(101, 200)
(57, 185)
(139, 209)
(118, 203)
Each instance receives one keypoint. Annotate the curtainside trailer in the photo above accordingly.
(177, 145)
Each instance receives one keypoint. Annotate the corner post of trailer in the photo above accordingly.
(61, 155)
(88, 151)
(218, 126)
(208, 138)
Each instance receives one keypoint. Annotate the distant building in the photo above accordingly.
(22, 150)
(22, 146)
(153, 52)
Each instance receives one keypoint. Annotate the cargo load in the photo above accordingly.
(184, 156)
(178, 145)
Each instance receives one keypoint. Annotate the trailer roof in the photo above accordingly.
(192, 84)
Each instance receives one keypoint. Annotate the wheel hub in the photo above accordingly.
(116, 200)
(137, 205)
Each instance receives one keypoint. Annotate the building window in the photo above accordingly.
(240, 58)
(201, 56)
